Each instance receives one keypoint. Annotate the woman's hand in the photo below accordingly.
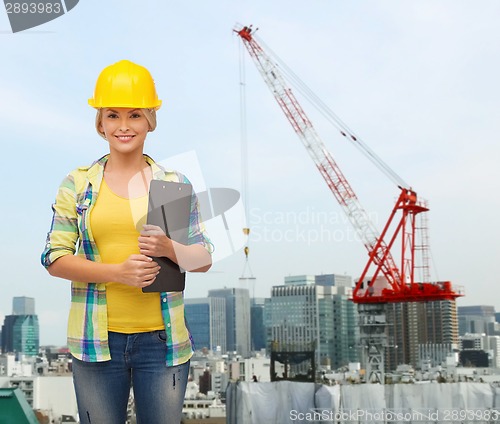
(154, 242)
(138, 271)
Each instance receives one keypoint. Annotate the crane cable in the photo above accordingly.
(322, 108)
(244, 157)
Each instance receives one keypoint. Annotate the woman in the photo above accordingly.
(119, 335)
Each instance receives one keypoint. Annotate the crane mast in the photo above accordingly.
(397, 283)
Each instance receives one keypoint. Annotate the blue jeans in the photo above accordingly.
(137, 360)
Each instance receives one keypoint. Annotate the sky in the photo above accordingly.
(416, 80)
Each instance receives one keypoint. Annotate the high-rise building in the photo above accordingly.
(411, 324)
(23, 306)
(312, 312)
(26, 334)
(21, 331)
(257, 326)
(476, 319)
(480, 350)
(206, 319)
(8, 333)
(345, 328)
(300, 280)
(477, 310)
(336, 280)
(237, 318)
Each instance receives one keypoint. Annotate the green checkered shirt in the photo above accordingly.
(88, 319)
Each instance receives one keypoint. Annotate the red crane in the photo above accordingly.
(388, 282)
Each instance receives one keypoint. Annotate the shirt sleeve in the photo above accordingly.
(197, 233)
(63, 234)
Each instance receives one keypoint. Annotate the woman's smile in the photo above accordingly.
(125, 138)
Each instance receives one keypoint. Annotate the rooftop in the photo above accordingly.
(15, 408)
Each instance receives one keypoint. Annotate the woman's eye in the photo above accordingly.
(112, 115)
(135, 115)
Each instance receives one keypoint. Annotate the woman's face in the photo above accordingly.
(125, 129)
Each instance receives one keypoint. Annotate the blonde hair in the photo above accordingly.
(149, 114)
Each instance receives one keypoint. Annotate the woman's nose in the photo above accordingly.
(123, 125)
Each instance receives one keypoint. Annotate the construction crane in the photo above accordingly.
(382, 280)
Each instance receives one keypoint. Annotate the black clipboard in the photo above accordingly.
(169, 208)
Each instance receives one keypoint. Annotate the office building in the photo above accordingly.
(435, 354)
(477, 345)
(8, 333)
(313, 313)
(476, 319)
(473, 350)
(300, 280)
(411, 324)
(26, 335)
(336, 280)
(206, 319)
(257, 326)
(21, 330)
(23, 306)
(345, 328)
(237, 319)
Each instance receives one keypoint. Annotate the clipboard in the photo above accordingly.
(169, 207)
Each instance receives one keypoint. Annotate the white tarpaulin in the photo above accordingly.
(451, 403)
(278, 402)
(288, 402)
(328, 397)
(364, 403)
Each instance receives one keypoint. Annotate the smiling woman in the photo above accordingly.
(118, 335)
(124, 129)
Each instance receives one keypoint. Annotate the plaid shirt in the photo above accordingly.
(88, 318)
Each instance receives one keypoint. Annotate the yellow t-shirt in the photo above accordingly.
(115, 222)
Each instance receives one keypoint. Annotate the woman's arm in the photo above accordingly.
(193, 257)
(137, 270)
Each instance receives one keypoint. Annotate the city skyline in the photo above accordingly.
(309, 310)
(470, 322)
(416, 80)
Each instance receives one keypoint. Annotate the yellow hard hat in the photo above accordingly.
(125, 84)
